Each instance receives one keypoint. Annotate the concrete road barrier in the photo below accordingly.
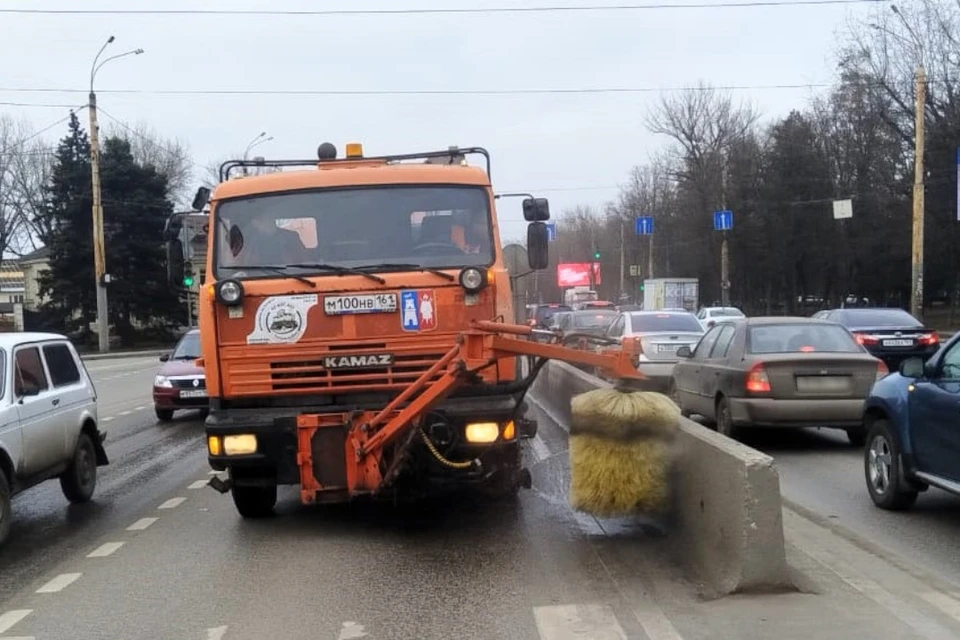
(727, 513)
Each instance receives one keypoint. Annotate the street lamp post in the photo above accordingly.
(259, 139)
(99, 259)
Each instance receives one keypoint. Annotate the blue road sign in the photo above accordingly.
(644, 226)
(722, 220)
(552, 232)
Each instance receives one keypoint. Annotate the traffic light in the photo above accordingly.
(596, 255)
(641, 286)
(187, 275)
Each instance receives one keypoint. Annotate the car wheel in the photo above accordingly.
(857, 436)
(725, 424)
(253, 501)
(80, 478)
(6, 510)
(164, 415)
(885, 482)
(675, 396)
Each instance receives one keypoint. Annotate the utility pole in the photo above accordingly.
(101, 279)
(623, 288)
(650, 257)
(916, 297)
(724, 250)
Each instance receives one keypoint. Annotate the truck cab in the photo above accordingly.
(329, 290)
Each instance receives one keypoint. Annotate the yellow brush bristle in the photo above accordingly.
(614, 414)
(610, 477)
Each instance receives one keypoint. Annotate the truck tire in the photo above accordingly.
(80, 478)
(6, 510)
(253, 501)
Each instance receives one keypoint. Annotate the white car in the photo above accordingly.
(661, 334)
(48, 420)
(709, 316)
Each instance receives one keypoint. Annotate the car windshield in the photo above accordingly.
(188, 348)
(360, 228)
(878, 318)
(545, 314)
(801, 338)
(657, 322)
(593, 320)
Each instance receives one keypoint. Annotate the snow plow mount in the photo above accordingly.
(328, 442)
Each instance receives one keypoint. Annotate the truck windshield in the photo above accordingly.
(366, 228)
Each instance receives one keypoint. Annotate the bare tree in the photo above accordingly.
(24, 170)
(169, 156)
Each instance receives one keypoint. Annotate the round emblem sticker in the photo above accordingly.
(281, 319)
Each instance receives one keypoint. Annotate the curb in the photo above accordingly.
(123, 354)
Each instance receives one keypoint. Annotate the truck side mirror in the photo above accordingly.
(538, 242)
(175, 263)
(201, 199)
(536, 209)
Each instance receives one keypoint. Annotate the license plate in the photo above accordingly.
(193, 393)
(898, 343)
(374, 303)
(667, 348)
(825, 384)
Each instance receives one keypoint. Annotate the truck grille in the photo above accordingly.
(292, 373)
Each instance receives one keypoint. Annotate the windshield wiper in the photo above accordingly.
(281, 270)
(338, 270)
(410, 265)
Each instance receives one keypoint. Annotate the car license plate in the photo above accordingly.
(193, 393)
(667, 348)
(823, 384)
(898, 343)
(374, 303)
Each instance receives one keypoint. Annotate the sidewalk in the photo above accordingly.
(845, 592)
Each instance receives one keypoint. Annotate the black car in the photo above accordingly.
(893, 335)
(543, 314)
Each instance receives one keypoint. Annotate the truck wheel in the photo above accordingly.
(80, 478)
(881, 464)
(6, 512)
(254, 502)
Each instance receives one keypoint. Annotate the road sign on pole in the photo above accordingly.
(644, 226)
(842, 209)
(551, 232)
(634, 270)
(722, 220)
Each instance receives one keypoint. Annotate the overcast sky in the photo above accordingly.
(575, 149)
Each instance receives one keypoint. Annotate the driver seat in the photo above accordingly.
(436, 229)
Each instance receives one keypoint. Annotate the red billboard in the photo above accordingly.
(577, 274)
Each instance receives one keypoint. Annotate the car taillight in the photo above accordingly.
(865, 339)
(928, 339)
(882, 369)
(757, 380)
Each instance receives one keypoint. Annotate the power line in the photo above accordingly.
(424, 92)
(446, 11)
(38, 104)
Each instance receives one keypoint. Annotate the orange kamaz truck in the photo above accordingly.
(354, 325)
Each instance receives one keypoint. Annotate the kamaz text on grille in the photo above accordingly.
(358, 362)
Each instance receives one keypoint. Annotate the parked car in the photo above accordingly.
(48, 413)
(709, 316)
(661, 334)
(180, 383)
(913, 440)
(893, 335)
(777, 372)
(542, 314)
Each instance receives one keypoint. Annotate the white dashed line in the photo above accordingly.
(142, 524)
(10, 618)
(351, 630)
(216, 633)
(172, 503)
(199, 484)
(539, 449)
(140, 408)
(104, 550)
(59, 583)
(125, 413)
(108, 419)
(578, 622)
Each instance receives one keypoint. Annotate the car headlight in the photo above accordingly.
(162, 381)
(230, 292)
(472, 279)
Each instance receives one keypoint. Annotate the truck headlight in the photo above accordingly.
(230, 292)
(472, 279)
(482, 432)
(162, 381)
(240, 445)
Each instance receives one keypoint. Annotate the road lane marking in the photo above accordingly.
(10, 618)
(539, 449)
(216, 633)
(125, 413)
(172, 503)
(950, 606)
(106, 419)
(140, 408)
(578, 622)
(199, 484)
(104, 550)
(59, 583)
(351, 630)
(142, 524)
